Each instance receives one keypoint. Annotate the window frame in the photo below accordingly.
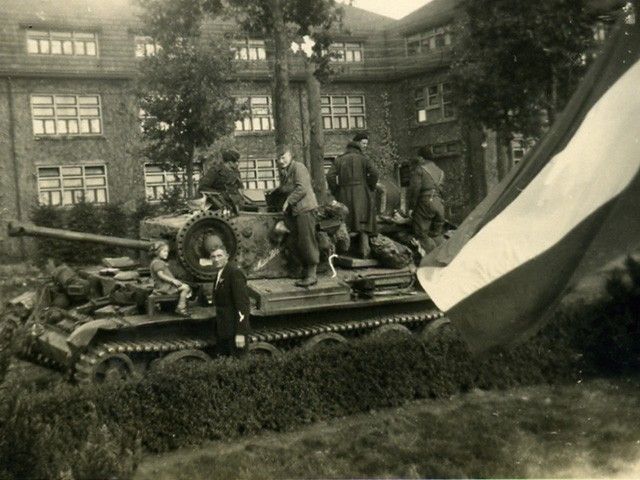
(262, 182)
(250, 118)
(145, 40)
(248, 44)
(439, 101)
(346, 47)
(167, 185)
(61, 184)
(59, 35)
(428, 40)
(348, 114)
(59, 117)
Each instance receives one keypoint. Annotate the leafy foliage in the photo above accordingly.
(185, 88)
(515, 62)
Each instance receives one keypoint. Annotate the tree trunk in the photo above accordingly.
(502, 147)
(283, 115)
(189, 171)
(316, 132)
(475, 165)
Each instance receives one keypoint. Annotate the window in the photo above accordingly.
(519, 148)
(69, 184)
(258, 114)
(328, 162)
(259, 174)
(158, 181)
(427, 41)
(58, 42)
(433, 103)
(446, 149)
(348, 52)
(66, 114)
(342, 112)
(250, 49)
(146, 46)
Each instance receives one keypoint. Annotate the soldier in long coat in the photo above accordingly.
(352, 180)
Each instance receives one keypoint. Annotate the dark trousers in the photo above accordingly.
(428, 222)
(303, 237)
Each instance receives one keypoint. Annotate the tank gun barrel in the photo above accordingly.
(19, 229)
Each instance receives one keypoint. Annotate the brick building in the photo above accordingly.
(70, 126)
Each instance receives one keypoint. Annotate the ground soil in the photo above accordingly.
(588, 429)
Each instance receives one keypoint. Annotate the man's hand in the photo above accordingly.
(177, 284)
(285, 205)
(240, 341)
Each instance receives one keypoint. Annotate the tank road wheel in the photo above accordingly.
(198, 236)
(391, 327)
(104, 367)
(329, 338)
(182, 356)
(263, 349)
(432, 329)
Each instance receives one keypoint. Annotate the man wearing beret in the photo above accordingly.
(352, 180)
(224, 178)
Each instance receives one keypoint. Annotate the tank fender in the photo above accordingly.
(82, 336)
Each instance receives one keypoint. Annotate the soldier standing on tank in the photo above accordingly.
(231, 299)
(424, 200)
(224, 178)
(299, 213)
(352, 180)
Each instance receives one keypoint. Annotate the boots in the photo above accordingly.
(310, 277)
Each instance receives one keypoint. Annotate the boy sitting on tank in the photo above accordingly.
(164, 282)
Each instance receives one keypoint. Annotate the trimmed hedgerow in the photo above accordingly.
(99, 431)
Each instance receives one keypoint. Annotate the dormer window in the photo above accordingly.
(62, 42)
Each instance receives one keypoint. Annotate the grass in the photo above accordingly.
(588, 429)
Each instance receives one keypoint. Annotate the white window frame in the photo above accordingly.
(427, 41)
(350, 52)
(254, 121)
(347, 119)
(51, 37)
(259, 173)
(145, 46)
(249, 49)
(165, 183)
(77, 192)
(48, 118)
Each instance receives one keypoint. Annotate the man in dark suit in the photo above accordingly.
(231, 299)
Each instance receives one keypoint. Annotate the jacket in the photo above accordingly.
(231, 297)
(295, 182)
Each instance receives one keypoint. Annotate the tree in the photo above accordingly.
(516, 62)
(284, 22)
(184, 89)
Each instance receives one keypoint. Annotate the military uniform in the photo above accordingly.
(300, 219)
(352, 180)
(224, 178)
(424, 198)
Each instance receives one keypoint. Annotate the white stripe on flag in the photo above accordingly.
(596, 165)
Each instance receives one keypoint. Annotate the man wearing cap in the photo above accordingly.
(352, 180)
(224, 178)
(299, 213)
(424, 200)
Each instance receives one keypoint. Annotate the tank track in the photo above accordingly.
(87, 362)
(354, 327)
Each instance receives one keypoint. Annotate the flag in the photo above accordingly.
(571, 206)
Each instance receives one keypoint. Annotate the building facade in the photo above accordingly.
(70, 125)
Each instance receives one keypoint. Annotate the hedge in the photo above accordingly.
(99, 431)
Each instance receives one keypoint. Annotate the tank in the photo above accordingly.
(102, 321)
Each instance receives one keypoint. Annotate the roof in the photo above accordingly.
(436, 12)
(359, 19)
